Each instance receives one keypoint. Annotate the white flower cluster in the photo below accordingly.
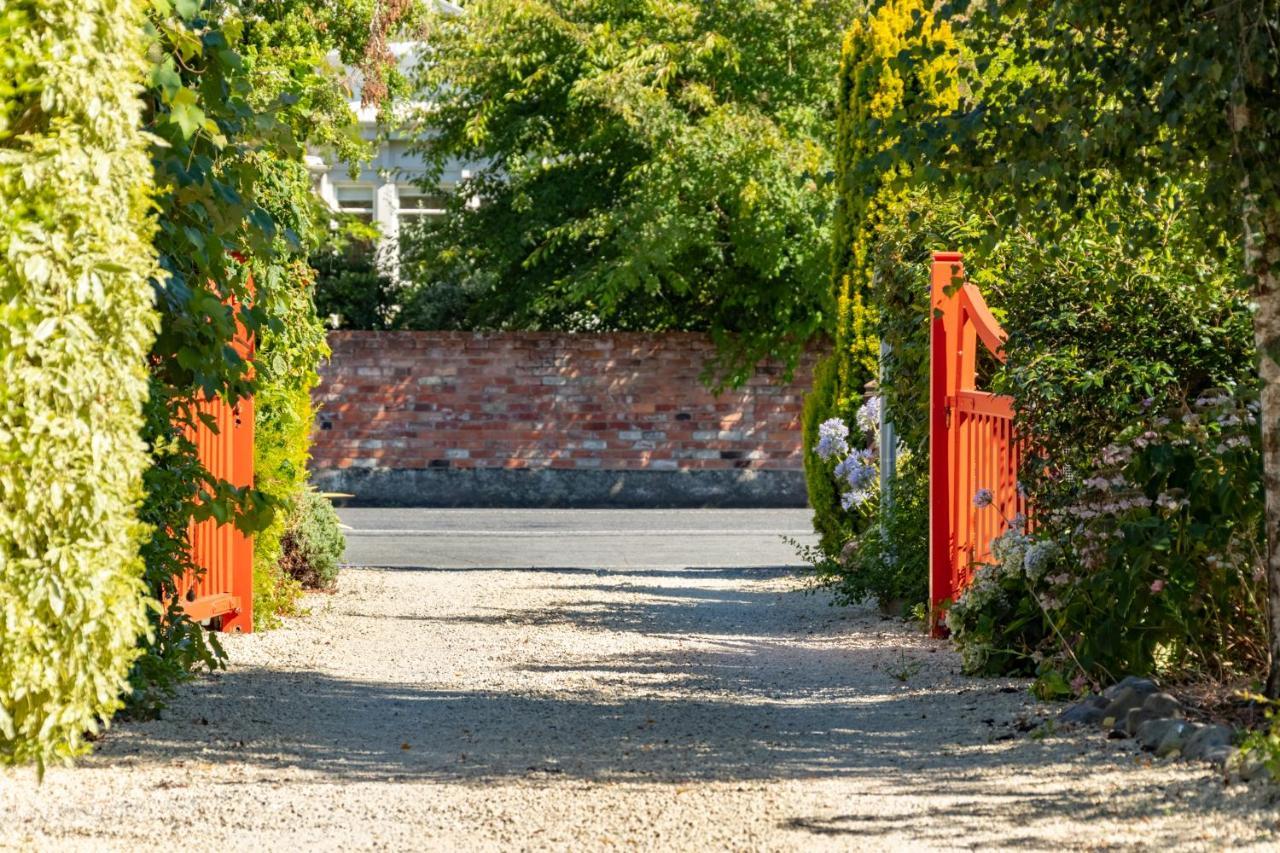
(833, 439)
(858, 469)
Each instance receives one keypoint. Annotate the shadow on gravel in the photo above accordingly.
(768, 692)
(740, 729)
(686, 573)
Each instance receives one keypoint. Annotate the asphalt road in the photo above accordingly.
(574, 538)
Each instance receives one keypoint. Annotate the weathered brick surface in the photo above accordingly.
(616, 401)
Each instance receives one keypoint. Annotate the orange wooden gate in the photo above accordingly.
(971, 440)
(222, 588)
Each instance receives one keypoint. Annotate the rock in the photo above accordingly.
(1120, 705)
(1162, 705)
(1207, 738)
(1249, 767)
(1135, 718)
(1152, 732)
(1086, 713)
(1144, 687)
(1218, 756)
(1175, 738)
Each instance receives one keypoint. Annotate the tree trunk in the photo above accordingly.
(1262, 257)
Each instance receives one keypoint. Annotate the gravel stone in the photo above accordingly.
(1207, 738)
(1134, 719)
(1122, 702)
(1162, 705)
(1153, 732)
(1175, 738)
(586, 709)
(1086, 713)
(1142, 686)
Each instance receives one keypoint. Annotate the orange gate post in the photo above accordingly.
(971, 439)
(222, 587)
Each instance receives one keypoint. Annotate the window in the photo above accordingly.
(415, 202)
(356, 200)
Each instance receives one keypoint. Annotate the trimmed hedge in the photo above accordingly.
(76, 322)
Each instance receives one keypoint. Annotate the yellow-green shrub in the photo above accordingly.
(287, 360)
(76, 322)
(876, 98)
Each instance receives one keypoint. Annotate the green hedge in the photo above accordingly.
(877, 229)
(287, 361)
(76, 322)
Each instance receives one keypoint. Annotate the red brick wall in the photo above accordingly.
(616, 401)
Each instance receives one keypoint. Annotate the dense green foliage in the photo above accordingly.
(350, 291)
(898, 65)
(237, 91)
(882, 243)
(313, 542)
(284, 416)
(75, 325)
(645, 166)
(1065, 101)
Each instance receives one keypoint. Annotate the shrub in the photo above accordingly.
(76, 321)
(291, 349)
(881, 237)
(889, 559)
(1114, 331)
(832, 522)
(1158, 562)
(313, 542)
(1132, 311)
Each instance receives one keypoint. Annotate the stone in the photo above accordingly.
(1218, 755)
(1205, 739)
(1162, 705)
(1121, 703)
(1135, 718)
(1175, 738)
(1152, 732)
(1086, 713)
(1250, 767)
(1144, 687)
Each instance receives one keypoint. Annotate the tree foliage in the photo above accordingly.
(880, 235)
(1066, 99)
(641, 166)
(75, 325)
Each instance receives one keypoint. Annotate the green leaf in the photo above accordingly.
(185, 112)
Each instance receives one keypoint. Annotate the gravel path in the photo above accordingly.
(631, 708)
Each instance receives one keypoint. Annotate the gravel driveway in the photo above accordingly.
(446, 705)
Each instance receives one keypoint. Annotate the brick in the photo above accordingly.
(623, 401)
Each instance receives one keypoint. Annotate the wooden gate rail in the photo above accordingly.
(222, 587)
(971, 439)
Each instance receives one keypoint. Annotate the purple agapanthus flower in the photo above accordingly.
(983, 498)
(869, 416)
(857, 470)
(833, 437)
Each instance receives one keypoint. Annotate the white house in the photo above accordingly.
(388, 188)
